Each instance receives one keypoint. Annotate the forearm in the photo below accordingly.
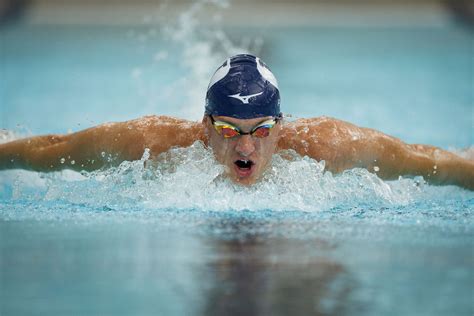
(44, 153)
(12, 155)
(437, 166)
(86, 150)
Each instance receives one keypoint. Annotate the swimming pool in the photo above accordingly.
(180, 239)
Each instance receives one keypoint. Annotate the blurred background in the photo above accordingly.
(402, 67)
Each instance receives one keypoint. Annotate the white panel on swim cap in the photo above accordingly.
(220, 73)
(266, 73)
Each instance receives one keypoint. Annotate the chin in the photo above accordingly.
(244, 181)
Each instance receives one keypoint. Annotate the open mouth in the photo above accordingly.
(243, 164)
(244, 167)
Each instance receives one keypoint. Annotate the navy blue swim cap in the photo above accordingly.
(243, 87)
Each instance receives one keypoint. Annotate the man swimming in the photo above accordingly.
(243, 125)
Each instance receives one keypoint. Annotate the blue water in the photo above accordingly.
(415, 84)
(181, 239)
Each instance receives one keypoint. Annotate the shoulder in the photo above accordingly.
(151, 124)
(162, 132)
(159, 120)
(322, 138)
(158, 133)
(145, 124)
(325, 128)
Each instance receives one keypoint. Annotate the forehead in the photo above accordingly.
(242, 122)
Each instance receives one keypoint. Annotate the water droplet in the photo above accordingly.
(435, 167)
(103, 154)
(376, 169)
(146, 155)
(73, 162)
(62, 160)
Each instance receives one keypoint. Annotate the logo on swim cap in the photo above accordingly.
(243, 87)
(245, 98)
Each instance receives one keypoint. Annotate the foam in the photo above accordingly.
(190, 178)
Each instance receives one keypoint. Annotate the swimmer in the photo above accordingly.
(244, 127)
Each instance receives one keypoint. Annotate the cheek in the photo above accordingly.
(268, 147)
(220, 147)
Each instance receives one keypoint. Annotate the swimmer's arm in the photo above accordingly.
(345, 146)
(391, 158)
(90, 149)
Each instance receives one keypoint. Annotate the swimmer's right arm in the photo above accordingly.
(101, 146)
(90, 149)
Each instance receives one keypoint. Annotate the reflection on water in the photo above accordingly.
(236, 263)
(147, 269)
(253, 277)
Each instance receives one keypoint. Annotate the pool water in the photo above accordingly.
(181, 239)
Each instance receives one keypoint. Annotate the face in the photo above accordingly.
(244, 156)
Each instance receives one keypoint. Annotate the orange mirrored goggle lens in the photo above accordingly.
(229, 131)
(263, 130)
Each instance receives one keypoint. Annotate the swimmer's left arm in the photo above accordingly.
(344, 146)
(391, 158)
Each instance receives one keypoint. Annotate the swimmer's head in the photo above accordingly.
(242, 117)
(243, 88)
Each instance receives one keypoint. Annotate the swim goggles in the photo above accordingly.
(228, 130)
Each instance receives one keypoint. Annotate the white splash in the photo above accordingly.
(190, 178)
(202, 46)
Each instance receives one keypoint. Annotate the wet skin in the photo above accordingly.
(340, 144)
(257, 151)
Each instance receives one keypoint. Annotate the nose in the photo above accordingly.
(245, 145)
